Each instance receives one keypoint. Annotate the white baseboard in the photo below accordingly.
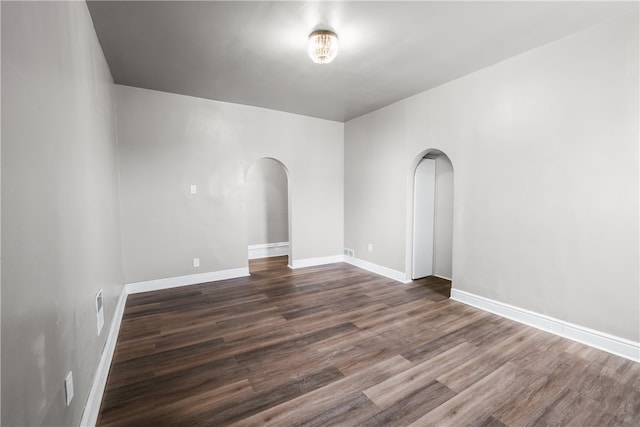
(443, 277)
(92, 408)
(600, 340)
(311, 262)
(192, 279)
(396, 275)
(365, 265)
(268, 250)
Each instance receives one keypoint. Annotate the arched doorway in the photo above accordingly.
(267, 192)
(432, 233)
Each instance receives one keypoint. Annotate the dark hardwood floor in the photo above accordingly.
(337, 345)
(265, 265)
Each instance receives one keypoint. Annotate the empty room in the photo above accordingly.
(330, 213)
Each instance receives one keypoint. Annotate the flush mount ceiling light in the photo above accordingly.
(323, 46)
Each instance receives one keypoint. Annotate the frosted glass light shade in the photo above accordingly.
(323, 46)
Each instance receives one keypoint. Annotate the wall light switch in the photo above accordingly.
(196, 262)
(193, 189)
(370, 247)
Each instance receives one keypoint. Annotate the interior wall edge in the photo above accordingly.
(312, 262)
(99, 383)
(398, 276)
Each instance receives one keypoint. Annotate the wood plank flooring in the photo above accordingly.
(337, 345)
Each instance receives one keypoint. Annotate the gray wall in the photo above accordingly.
(267, 202)
(60, 225)
(443, 224)
(545, 152)
(168, 142)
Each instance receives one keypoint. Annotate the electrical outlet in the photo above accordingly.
(99, 311)
(196, 262)
(370, 247)
(193, 189)
(68, 388)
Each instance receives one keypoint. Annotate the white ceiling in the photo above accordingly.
(254, 53)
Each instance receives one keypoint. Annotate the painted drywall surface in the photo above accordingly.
(443, 225)
(267, 202)
(60, 215)
(424, 213)
(375, 197)
(169, 142)
(545, 152)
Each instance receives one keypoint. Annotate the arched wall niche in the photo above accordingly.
(442, 237)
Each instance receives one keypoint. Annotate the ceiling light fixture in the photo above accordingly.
(323, 46)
